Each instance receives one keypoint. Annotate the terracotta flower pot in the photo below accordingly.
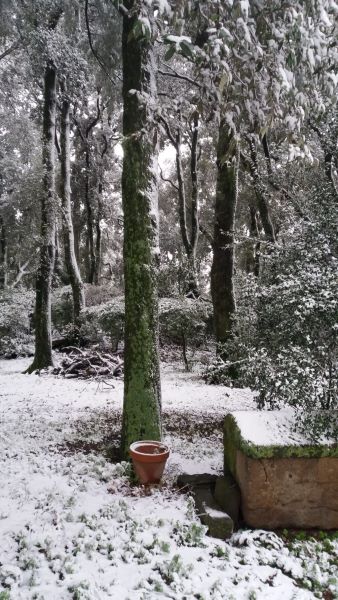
(149, 458)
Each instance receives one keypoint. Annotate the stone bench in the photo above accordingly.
(285, 481)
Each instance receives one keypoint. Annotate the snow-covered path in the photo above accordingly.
(72, 526)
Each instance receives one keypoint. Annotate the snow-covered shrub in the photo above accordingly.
(16, 310)
(98, 294)
(180, 319)
(106, 319)
(296, 358)
(184, 318)
(62, 307)
(286, 345)
(62, 302)
(245, 334)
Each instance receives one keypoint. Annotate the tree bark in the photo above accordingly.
(98, 241)
(193, 284)
(90, 257)
(189, 239)
(255, 242)
(67, 223)
(222, 270)
(3, 255)
(43, 336)
(142, 394)
(260, 192)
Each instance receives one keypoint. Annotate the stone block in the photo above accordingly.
(197, 479)
(283, 484)
(227, 494)
(219, 523)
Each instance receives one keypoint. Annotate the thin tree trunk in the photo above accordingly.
(98, 241)
(260, 192)
(59, 275)
(68, 232)
(193, 285)
(142, 394)
(189, 239)
(43, 336)
(77, 227)
(222, 271)
(254, 235)
(76, 195)
(3, 255)
(90, 222)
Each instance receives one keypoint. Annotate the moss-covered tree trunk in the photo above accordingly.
(222, 271)
(142, 396)
(43, 336)
(67, 222)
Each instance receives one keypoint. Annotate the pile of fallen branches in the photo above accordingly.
(89, 363)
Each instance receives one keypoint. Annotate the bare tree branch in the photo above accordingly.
(94, 52)
(168, 131)
(168, 181)
(179, 76)
(9, 50)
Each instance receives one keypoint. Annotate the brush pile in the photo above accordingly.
(89, 364)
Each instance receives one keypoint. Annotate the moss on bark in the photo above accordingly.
(222, 271)
(142, 397)
(43, 336)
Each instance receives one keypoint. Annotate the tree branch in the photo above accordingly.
(207, 235)
(9, 50)
(179, 76)
(168, 131)
(91, 45)
(168, 181)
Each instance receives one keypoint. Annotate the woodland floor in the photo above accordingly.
(72, 526)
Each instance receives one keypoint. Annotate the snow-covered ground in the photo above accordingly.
(73, 527)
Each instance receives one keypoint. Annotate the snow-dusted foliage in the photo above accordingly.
(263, 61)
(16, 311)
(179, 318)
(285, 341)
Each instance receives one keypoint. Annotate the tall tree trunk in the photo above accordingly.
(68, 233)
(77, 226)
(193, 285)
(222, 271)
(90, 259)
(142, 393)
(189, 238)
(43, 336)
(98, 241)
(3, 255)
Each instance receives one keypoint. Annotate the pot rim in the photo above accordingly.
(164, 453)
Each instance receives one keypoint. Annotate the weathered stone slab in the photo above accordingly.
(196, 479)
(202, 487)
(219, 523)
(227, 494)
(282, 485)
